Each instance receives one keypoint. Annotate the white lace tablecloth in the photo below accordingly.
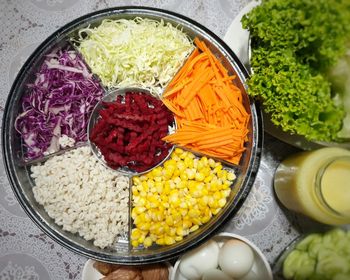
(27, 253)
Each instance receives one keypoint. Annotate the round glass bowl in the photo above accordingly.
(122, 252)
(95, 116)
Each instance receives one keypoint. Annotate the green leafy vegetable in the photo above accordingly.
(294, 44)
(339, 76)
(115, 50)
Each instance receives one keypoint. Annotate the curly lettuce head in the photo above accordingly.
(294, 43)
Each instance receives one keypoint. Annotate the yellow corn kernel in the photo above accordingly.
(211, 163)
(231, 176)
(189, 162)
(226, 185)
(193, 213)
(166, 205)
(183, 205)
(206, 171)
(195, 163)
(204, 160)
(141, 239)
(153, 237)
(174, 157)
(175, 202)
(135, 192)
(222, 174)
(145, 226)
(170, 162)
(150, 183)
(137, 220)
(181, 166)
(208, 178)
(135, 234)
(183, 155)
(136, 180)
(172, 232)
(147, 218)
(160, 241)
(184, 176)
(180, 231)
(177, 180)
(183, 212)
(144, 187)
(168, 240)
(222, 202)
(166, 188)
(159, 216)
(176, 173)
(158, 179)
(143, 178)
(168, 173)
(147, 242)
(176, 216)
(196, 221)
(135, 243)
(194, 228)
(225, 193)
(159, 230)
(190, 173)
(139, 209)
(203, 201)
(205, 191)
(205, 219)
(215, 211)
(196, 194)
(143, 194)
(169, 220)
(213, 185)
(182, 185)
(218, 168)
(200, 165)
(186, 224)
(178, 238)
(157, 172)
(166, 228)
(213, 203)
(178, 151)
(217, 195)
(159, 187)
(192, 185)
(199, 177)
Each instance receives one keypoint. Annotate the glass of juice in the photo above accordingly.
(316, 184)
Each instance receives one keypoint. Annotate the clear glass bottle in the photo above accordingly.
(316, 184)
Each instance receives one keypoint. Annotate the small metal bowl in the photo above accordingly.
(95, 116)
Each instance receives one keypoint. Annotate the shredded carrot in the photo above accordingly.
(211, 118)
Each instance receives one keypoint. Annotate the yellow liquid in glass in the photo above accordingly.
(296, 184)
(335, 186)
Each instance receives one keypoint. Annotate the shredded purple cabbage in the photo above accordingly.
(59, 103)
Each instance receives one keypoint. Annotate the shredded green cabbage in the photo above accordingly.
(140, 52)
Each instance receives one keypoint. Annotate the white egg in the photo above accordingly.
(236, 258)
(179, 276)
(253, 273)
(194, 263)
(215, 274)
